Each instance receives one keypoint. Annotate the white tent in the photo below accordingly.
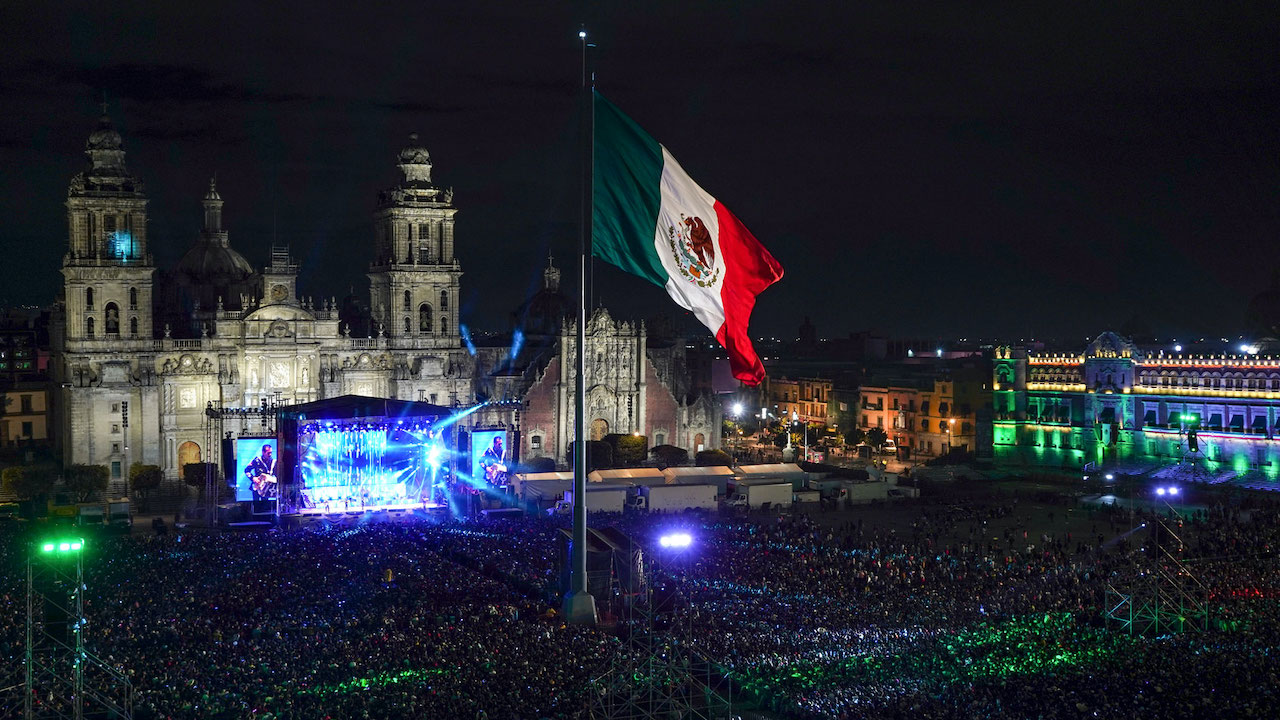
(634, 476)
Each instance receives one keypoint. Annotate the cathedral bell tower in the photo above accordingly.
(107, 271)
(414, 277)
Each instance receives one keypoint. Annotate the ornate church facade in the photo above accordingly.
(139, 353)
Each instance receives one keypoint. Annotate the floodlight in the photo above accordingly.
(737, 409)
(76, 545)
(63, 547)
(1160, 491)
(582, 34)
(1173, 491)
(676, 540)
(48, 547)
(1110, 476)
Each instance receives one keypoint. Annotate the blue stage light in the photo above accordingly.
(677, 540)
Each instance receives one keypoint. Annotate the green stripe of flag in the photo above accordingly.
(626, 194)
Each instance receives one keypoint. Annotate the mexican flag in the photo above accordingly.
(651, 219)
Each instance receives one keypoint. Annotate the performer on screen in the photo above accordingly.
(495, 469)
(262, 475)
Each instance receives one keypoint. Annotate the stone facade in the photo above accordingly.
(626, 393)
(131, 392)
(139, 355)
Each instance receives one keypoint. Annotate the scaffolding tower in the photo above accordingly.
(656, 671)
(1163, 596)
(63, 679)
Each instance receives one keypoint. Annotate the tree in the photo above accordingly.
(85, 481)
(876, 437)
(195, 474)
(599, 455)
(710, 458)
(854, 436)
(628, 450)
(143, 479)
(668, 455)
(27, 481)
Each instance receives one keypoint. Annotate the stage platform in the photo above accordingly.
(335, 510)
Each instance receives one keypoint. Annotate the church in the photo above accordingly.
(140, 353)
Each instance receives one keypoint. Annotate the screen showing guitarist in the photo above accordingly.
(494, 463)
(262, 475)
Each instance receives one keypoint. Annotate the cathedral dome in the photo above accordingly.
(415, 163)
(105, 136)
(415, 154)
(213, 263)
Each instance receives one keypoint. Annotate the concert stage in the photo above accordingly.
(354, 454)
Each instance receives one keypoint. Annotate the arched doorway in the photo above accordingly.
(188, 452)
(599, 428)
(699, 442)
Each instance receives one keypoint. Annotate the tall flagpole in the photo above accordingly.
(579, 605)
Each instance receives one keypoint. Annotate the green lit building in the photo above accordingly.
(1113, 404)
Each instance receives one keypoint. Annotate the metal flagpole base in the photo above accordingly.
(580, 607)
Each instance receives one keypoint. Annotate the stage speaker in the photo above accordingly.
(229, 461)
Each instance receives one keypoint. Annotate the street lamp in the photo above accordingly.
(951, 424)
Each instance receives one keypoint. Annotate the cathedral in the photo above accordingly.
(140, 353)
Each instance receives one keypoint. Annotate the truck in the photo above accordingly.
(608, 499)
(753, 495)
(675, 498)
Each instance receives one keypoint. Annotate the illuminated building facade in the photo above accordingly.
(1113, 403)
(139, 354)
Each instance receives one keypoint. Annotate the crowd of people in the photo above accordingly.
(976, 608)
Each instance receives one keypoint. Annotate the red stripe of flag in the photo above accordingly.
(748, 270)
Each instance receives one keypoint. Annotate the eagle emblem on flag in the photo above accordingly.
(693, 251)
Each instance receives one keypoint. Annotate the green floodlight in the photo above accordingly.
(63, 546)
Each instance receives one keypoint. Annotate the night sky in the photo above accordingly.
(920, 170)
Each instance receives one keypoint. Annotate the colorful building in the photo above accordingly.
(1114, 404)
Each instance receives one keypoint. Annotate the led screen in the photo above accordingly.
(256, 464)
(490, 456)
(366, 465)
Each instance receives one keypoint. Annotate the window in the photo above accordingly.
(444, 326)
(434, 398)
(27, 429)
(115, 469)
(115, 448)
(115, 407)
(408, 326)
(112, 324)
(444, 300)
(88, 327)
(133, 298)
(659, 439)
(88, 298)
(115, 428)
(408, 300)
(535, 442)
(25, 401)
(930, 446)
(424, 318)
(133, 326)
(924, 425)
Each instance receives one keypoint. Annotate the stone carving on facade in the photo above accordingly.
(279, 329)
